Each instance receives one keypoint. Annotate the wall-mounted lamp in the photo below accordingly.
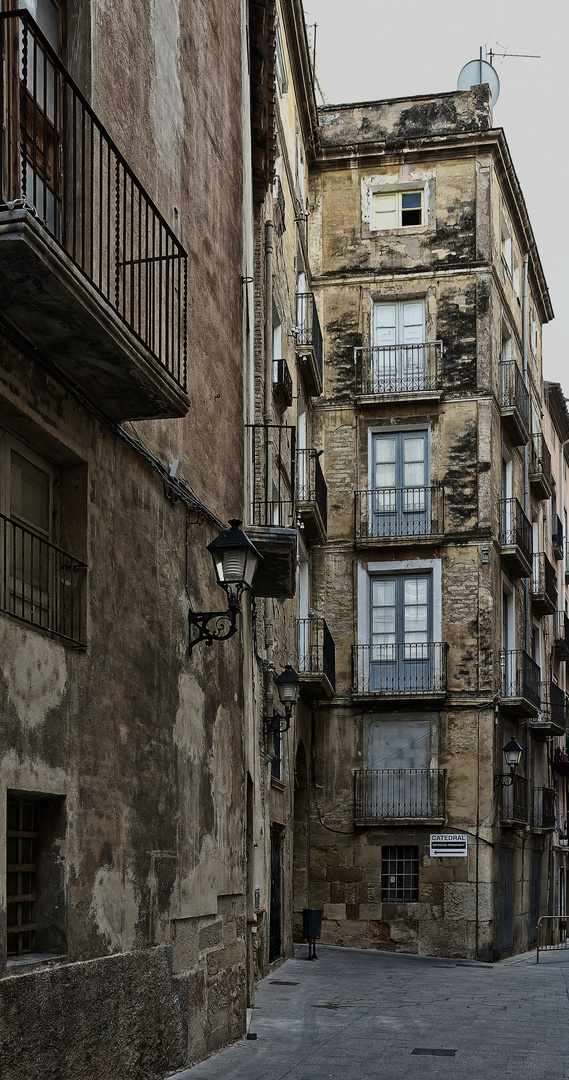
(288, 689)
(512, 754)
(235, 560)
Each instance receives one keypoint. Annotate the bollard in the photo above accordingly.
(311, 929)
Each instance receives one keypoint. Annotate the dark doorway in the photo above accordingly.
(275, 928)
(506, 910)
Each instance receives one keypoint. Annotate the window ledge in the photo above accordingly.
(278, 784)
(33, 960)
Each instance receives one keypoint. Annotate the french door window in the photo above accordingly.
(400, 496)
(400, 353)
(400, 656)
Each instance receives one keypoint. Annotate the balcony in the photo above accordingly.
(554, 707)
(40, 584)
(395, 372)
(561, 635)
(399, 796)
(411, 515)
(543, 587)
(560, 763)
(514, 403)
(515, 538)
(90, 272)
(271, 514)
(278, 206)
(521, 684)
(311, 496)
(540, 467)
(282, 384)
(543, 808)
(316, 666)
(557, 537)
(515, 802)
(309, 343)
(400, 671)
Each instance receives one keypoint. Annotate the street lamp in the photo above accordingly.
(288, 689)
(235, 560)
(512, 753)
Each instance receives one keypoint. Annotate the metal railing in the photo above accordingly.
(308, 330)
(310, 483)
(515, 528)
(282, 380)
(543, 808)
(316, 649)
(390, 795)
(557, 536)
(59, 162)
(515, 801)
(561, 633)
(552, 934)
(555, 704)
(521, 676)
(513, 393)
(40, 583)
(399, 369)
(279, 204)
(272, 450)
(400, 668)
(393, 512)
(543, 577)
(540, 457)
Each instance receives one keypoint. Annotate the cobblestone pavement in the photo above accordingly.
(366, 1015)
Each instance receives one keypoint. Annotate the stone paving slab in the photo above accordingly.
(358, 1015)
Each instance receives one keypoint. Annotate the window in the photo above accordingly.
(506, 243)
(400, 874)
(401, 619)
(532, 330)
(400, 353)
(516, 273)
(39, 582)
(397, 209)
(400, 496)
(282, 76)
(35, 904)
(276, 754)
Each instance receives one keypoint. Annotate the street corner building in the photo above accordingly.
(223, 306)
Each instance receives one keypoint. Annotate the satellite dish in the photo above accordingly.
(476, 72)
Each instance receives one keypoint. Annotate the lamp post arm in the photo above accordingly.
(224, 626)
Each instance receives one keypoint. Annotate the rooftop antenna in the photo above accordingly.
(477, 72)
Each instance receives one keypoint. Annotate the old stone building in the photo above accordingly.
(436, 579)
(124, 258)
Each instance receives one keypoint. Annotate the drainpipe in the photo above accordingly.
(268, 403)
(526, 474)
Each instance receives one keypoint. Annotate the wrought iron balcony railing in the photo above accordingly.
(399, 369)
(555, 705)
(58, 161)
(273, 474)
(40, 583)
(543, 808)
(514, 401)
(316, 650)
(557, 536)
(400, 668)
(282, 381)
(540, 465)
(394, 795)
(308, 332)
(515, 801)
(561, 635)
(544, 589)
(311, 489)
(399, 512)
(521, 677)
(515, 528)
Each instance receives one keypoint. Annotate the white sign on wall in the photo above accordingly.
(448, 844)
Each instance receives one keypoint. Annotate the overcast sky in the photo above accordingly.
(372, 49)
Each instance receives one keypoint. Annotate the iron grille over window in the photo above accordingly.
(400, 874)
(21, 867)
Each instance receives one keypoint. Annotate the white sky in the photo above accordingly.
(372, 49)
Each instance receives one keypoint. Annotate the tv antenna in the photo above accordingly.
(480, 71)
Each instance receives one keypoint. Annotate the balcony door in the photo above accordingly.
(399, 356)
(399, 482)
(401, 617)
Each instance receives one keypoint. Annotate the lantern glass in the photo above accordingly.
(512, 753)
(288, 686)
(235, 558)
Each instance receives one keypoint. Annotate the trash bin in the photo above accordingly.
(311, 928)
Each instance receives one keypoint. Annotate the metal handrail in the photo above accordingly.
(394, 512)
(59, 163)
(544, 577)
(515, 527)
(308, 330)
(400, 668)
(399, 369)
(540, 457)
(311, 486)
(552, 934)
(272, 450)
(514, 393)
(521, 676)
(398, 794)
(316, 649)
(40, 583)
